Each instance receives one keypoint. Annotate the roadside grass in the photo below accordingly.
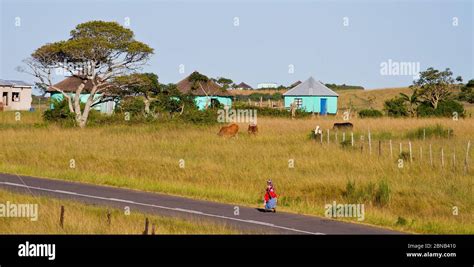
(148, 157)
(80, 218)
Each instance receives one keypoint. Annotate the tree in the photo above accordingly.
(412, 101)
(396, 107)
(145, 85)
(224, 82)
(467, 94)
(97, 52)
(435, 85)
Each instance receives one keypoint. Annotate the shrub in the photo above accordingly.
(60, 112)
(196, 116)
(346, 144)
(430, 131)
(370, 113)
(368, 192)
(133, 105)
(382, 195)
(396, 107)
(445, 108)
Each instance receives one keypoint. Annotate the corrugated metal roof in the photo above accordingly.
(311, 87)
(14, 83)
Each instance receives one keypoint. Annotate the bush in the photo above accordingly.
(196, 116)
(370, 113)
(368, 192)
(133, 105)
(60, 112)
(396, 107)
(445, 108)
(430, 131)
(272, 112)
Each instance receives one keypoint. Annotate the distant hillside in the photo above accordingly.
(343, 87)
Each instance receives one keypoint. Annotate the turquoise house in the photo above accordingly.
(312, 96)
(206, 94)
(69, 86)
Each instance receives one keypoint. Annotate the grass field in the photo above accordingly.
(147, 157)
(88, 219)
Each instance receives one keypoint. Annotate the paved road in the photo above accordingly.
(248, 219)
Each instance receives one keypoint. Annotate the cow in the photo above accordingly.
(230, 130)
(253, 129)
(342, 126)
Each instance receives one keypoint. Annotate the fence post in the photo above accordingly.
(454, 158)
(370, 144)
(145, 232)
(421, 153)
(391, 149)
(328, 135)
(411, 155)
(466, 160)
(401, 149)
(61, 218)
(380, 148)
(336, 137)
(321, 137)
(424, 134)
(442, 157)
(153, 229)
(352, 138)
(109, 217)
(343, 136)
(431, 157)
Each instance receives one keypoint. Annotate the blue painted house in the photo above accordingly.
(70, 85)
(312, 96)
(206, 94)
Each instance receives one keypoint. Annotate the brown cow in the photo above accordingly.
(342, 126)
(253, 129)
(230, 130)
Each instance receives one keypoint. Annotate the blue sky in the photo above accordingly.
(271, 35)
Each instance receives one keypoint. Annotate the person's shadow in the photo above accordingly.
(264, 210)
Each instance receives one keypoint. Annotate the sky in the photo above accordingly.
(342, 42)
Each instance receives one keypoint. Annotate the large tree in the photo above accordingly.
(97, 52)
(435, 86)
(145, 85)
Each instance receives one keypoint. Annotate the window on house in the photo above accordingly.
(15, 97)
(299, 102)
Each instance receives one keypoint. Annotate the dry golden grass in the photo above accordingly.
(147, 157)
(87, 219)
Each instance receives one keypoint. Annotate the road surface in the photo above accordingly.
(247, 219)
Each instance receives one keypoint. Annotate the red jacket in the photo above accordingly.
(270, 193)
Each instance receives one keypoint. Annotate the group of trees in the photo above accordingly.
(431, 96)
(107, 56)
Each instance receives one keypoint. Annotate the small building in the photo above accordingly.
(70, 85)
(15, 95)
(267, 85)
(312, 96)
(243, 86)
(206, 94)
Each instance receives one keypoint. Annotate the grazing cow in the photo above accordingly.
(253, 129)
(342, 125)
(230, 130)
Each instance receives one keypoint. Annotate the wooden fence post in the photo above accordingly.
(442, 157)
(380, 148)
(421, 153)
(336, 137)
(61, 218)
(391, 149)
(153, 229)
(352, 138)
(343, 136)
(466, 160)
(109, 217)
(411, 155)
(401, 149)
(424, 134)
(370, 144)
(454, 158)
(145, 232)
(431, 156)
(328, 136)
